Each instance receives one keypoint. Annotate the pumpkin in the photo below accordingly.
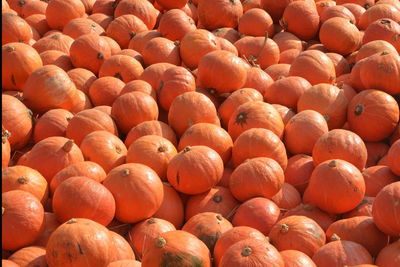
(14, 111)
(378, 12)
(82, 79)
(101, 19)
(393, 157)
(171, 209)
(285, 112)
(257, 177)
(87, 169)
(259, 213)
(177, 247)
(52, 155)
(30, 256)
(287, 198)
(87, 121)
(126, 182)
(152, 74)
(386, 76)
(106, 7)
(382, 29)
(141, 86)
(234, 100)
(5, 148)
(255, 114)
(340, 144)
(375, 151)
(105, 90)
(123, 250)
(278, 70)
(174, 82)
(22, 219)
(104, 148)
(314, 66)
(19, 60)
(377, 177)
(323, 219)
(301, 13)
(141, 9)
(229, 69)
(80, 26)
(210, 135)
(230, 34)
(26, 179)
(287, 41)
(152, 127)
(195, 170)
(139, 41)
(296, 258)
(51, 224)
(342, 66)
(80, 191)
(257, 79)
(263, 143)
(114, 46)
(89, 51)
(190, 108)
(95, 247)
(159, 50)
(363, 209)
(15, 29)
(232, 236)
(57, 41)
(363, 3)
(70, 10)
(386, 207)
(389, 255)
(337, 11)
(183, 24)
(256, 22)
(153, 151)
(303, 131)
(38, 21)
(336, 186)
(251, 252)
(224, 182)
(125, 263)
(356, 10)
(367, 108)
(340, 253)
(58, 58)
(355, 229)
(122, 67)
(220, 13)
(374, 47)
(168, 4)
(298, 171)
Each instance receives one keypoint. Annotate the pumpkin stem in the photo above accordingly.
(262, 48)
(332, 163)
(284, 228)
(241, 118)
(100, 56)
(71, 221)
(68, 145)
(21, 3)
(246, 252)
(186, 149)
(5, 135)
(217, 198)
(9, 48)
(385, 52)
(219, 217)
(22, 180)
(125, 172)
(161, 149)
(151, 220)
(358, 110)
(335, 237)
(118, 76)
(161, 242)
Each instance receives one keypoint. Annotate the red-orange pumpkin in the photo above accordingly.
(376, 178)
(70, 9)
(51, 224)
(171, 208)
(30, 256)
(219, 13)
(14, 29)
(298, 171)
(105, 90)
(389, 255)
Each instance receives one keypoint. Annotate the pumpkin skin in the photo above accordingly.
(208, 227)
(95, 202)
(259, 213)
(87, 169)
(340, 253)
(301, 13)
(13, 111)
(230, 69)
(323, 219)
(168, 4)
(378, 12)
(286, 91)
(278, 70)
(96, 246)
(57, 58)
(340, 144)
(393, 157)
(174, 246)
(251, 252)
(195, 170)
(142, 9)
(56, 41)
(30, 256)
(171, 209)
(363, 209)
(389, 255)
(287, 41)
(152, 74)
(183, 24)
(80, 26)
(51, 155)
(340, 28)
(256, 22)
(141, 86)
(132, 108)
(255, 114)
(71, 10)
(152, 127)
(122, 67)
(51, 224)
(328, 100)
(114, 46)
(38, 21)
(123, 250)
(314, 66)
(22, 219)
(298, 171)
(382, 65)
(137, 190)
(140, 40)
(26, 179)
(159, 50)
(5, 149)
(382, 29)
(385, 208)
(377, 177)
(374, 47)
(287, 198)
(354, 229)
(153, 151)
(230, 34)
(87, 121)
(367, 108)
(15, 29)
(303, 131)
(342, 66)
(101, 19)
(257, 177)
(190, 108)
(335, 186)
(19, 60)
(124, 27)
(232, 236)
(264, 143)
(337, 11)
(105, 90)
(125, 263)
(375, 151)
(296, 258)
(104, 148)
(285, 112)
(218, 200)
(220, 13)
(257, 79)
(144, 233)
(210, 135)
(82, 79)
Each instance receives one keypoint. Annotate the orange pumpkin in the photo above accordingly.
(298, 171)
(159, 50)
(30, 256)
(122, 67)
(394, 158)
(123, 250)
(15, 29)
(80, 26)
(220, 13)
(51, 224)
(70, 10)
(183, 24)
(5, 148)
(171, 208)
(285, 112)
(323, 219)
(378, 12)
(375, 151)
(296, 258)
(141, 86)
(342, 66)
(337, 11)
(287, 198)
(101, 19)
(389, 255)
(256, 22)
(278, 70)
(374, 47)
(141, 9)
(105, 90)
(382, 29)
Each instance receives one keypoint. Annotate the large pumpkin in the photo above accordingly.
(70, 10)
(296, 258)
(123, 67)
(394, 157)
(298, 171)
(52, 123)
(389, 255)
(376, 178)
(30, 256)
(171, 208)
(137, 190)
(142, 9)
(14, 29)
(219, 13)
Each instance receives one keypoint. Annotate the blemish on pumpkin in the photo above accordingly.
(13, 80)
(80, 249)
(246, 252)
(181, 259)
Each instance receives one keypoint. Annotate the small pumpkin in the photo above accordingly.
(296, 258)
(183, 24)
(161, 50)
(382, 29)
(220, 13)
(377, 177)
(105, 90)
(171, 209)
(70, 10)
(298, 171)
(123, 250)
(323, 219)
(30, 256)
(14, 29)
(51, 224)
(256, 22)
(389, 255)
(394, 158)
(287, 198)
